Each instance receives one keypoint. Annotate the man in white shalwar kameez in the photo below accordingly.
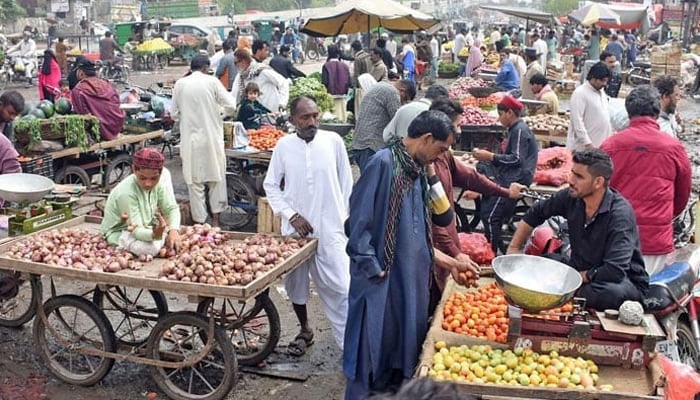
(197, 99)
(274, 88)
(317, 184)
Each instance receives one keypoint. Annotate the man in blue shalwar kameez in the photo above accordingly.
(391, 259)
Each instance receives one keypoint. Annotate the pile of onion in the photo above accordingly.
(217, 261)
(75, 248)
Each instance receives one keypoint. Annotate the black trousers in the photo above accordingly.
(609, 295)
(495, 211)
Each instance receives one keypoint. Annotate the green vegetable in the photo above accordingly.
(314, 89)
(448, 67)
(315, 75)
(63, 106)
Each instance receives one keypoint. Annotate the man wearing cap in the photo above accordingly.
(141, 214)
(96, 96)
(282, 64)
(507, 78)
(197, 99)
(25, 49)
(533, 68)
(514, 164)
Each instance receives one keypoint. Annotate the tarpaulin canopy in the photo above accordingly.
(525, 13)
(632, 16)
(363, 15)
(595, 14)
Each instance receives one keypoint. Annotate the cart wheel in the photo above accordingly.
(117, 169)
(19, 299)
(242, 203)
(73, 175)
(687, 346)
(177, 337)
(83, 326)
(131, 312)
(252, 327)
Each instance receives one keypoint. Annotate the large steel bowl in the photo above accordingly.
(535, 283)
(24, 188)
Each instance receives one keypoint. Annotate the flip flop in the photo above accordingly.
(301, 342)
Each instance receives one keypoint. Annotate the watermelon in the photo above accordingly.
(63, 106)
(38, 113)
(29, 116)
(27, 108)
(46, 106)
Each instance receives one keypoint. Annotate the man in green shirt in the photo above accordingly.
(141, 209)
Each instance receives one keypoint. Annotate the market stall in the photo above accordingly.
(225, 273)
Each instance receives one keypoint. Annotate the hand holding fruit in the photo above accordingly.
(301, 225)
(483, 155)
(465, 271)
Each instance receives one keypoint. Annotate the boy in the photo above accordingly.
(65, 89)
(251, 112)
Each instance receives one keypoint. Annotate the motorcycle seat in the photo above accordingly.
(669, 285)
(642, 65)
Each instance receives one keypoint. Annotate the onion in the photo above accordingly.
(185, 279)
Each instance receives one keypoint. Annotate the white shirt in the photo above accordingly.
(274, 89)
(435, 48)
(668, 124)
(216, 59)
(398, 126)
(196, 103)
(25, 48)
(590, 121)
(495, 36)
(520, 65)
(391, 46)
(469, 39)
(459, 43)
(541, 47)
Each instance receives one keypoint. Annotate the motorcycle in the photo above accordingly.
(316, 49)
(113, 71)
(13, 71)
(639, 74)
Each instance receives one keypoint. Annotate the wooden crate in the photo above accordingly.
(267, 221)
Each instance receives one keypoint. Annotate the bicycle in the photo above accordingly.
(243, 187)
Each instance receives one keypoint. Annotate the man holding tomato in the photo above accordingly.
(308, 184)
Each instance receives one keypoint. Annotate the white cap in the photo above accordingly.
(385, 35)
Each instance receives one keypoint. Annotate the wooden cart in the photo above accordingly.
(245, 174)
(191, 355)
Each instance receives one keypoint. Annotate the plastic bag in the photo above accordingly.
(682, 382)
(618, 114)
(240, 136)
(477, 247)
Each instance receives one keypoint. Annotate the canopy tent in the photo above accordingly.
(525, 13)
(632, 16)
(363, 15)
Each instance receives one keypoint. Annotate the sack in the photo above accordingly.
(477, 247)
(682, 382)
(19, 66)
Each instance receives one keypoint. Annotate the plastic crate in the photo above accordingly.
(483, 137)
(42, 165)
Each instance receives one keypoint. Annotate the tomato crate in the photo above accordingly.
(42, 165)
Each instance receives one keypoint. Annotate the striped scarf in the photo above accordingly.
(406, 171)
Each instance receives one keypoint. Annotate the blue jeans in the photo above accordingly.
(362, 157)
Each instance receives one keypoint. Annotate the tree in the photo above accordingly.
(560, 8)
(10, 9)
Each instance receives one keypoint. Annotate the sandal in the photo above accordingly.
(301, 342)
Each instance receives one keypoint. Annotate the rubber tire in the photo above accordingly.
(685, 338)
(158, 374)
(312, 55)
(68, 170)
(238, 186)
(121, 158)
(158, 297)
(262, 303)
(256, 173)
(102, 323)
(35, 301)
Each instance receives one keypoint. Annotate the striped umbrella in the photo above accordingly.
(593, 13)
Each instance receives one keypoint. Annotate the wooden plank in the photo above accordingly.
(119, 141)
(268, 222)
(148, 276)
(650, 327)
(550, 138)
(264, 156)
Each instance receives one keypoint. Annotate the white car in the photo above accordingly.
(99, 29)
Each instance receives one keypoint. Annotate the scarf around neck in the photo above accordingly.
(546, 89)
(406, 170)
(252, 72)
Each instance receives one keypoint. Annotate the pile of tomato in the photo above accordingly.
(481, 314)
(491, 101)
(264, 138)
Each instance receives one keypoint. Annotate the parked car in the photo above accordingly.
(194, 30)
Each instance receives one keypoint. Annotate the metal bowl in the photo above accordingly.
(20, 188)
(535, 283)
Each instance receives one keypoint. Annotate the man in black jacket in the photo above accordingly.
(282, 64)
(516, 163)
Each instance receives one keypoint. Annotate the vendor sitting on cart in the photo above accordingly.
(605, 246)
(141, 214)
(96, 96)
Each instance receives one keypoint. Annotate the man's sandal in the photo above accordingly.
(301, 342)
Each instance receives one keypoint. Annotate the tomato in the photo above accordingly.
(480, 314)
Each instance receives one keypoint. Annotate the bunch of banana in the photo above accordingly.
(154, 46)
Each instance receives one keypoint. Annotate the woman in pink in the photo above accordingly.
(49, 75)
(475, 58)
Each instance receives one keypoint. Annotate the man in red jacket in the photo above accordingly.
(652, 171)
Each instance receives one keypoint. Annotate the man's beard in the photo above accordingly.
(307, 133)
(670, 108)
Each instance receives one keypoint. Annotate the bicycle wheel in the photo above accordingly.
(242, 203)
(178, 337)
(19, 299)
(257, 173)
(81, 325)
(132, 312)
(116, 170)
(253, 327)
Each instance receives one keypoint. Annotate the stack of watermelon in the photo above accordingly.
(47, 109)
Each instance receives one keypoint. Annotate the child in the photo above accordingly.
(65, 89)
(251, 111)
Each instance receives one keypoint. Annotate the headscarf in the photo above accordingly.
(406, 171)
(149, 158)
(475, 57)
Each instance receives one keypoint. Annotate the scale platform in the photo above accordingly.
(589, 335)
(22, 221)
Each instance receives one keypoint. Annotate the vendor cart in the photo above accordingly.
(244, 182)
(191, 354)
